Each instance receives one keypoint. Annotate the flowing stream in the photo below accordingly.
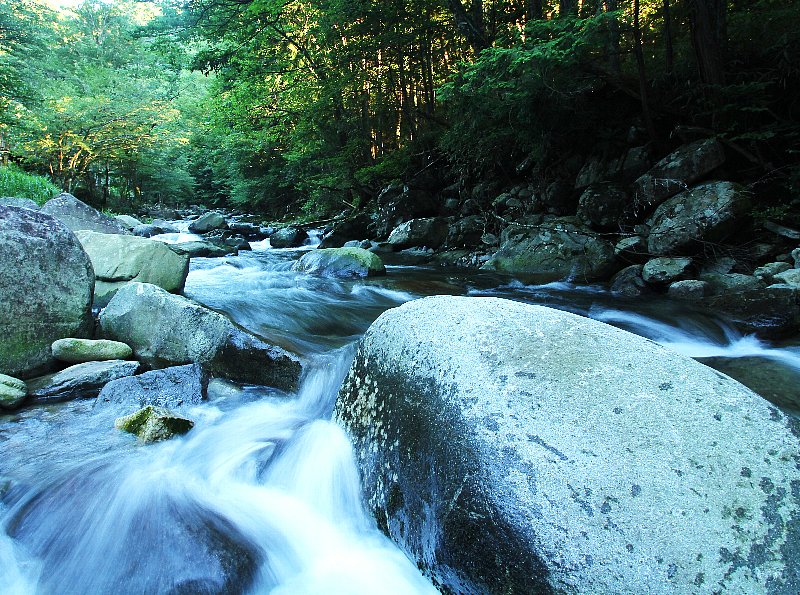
(263, 495)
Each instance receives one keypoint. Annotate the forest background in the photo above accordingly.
(307, 108)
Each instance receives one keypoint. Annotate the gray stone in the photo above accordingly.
(632, 249)
(12, 392)
(129, 222)
(677, 172)
(796, 257)
(154, 424)
(46, 282)
(348, 263)
(603, 206)
(202, 248)
(771, 312)
(168, 330)
(722, 264)
(665, 270)
(732, 282)
(554, 251)
(430, 232)
(781, 230)
(288, 237)
(691, 290)
(119, 259)
(356, 228)
(147, 231)
(466, 232)
(78, 215)
(208, 222)
(769, 270)
(558, 198)
(23, 203)
(629, 283)
(80, 380)
(511, 448)
(78, 351)
(173, 388)
(164, 226)
(708, 213)
(790, 277)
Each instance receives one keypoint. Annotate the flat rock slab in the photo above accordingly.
(79, 381)
(172, 388)
(510, 448)
(78, 351)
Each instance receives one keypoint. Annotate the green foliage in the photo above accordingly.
(20, 184)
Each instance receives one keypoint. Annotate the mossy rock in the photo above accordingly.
(153, 424)
(77, 351)
(341, 262)
(12, 392)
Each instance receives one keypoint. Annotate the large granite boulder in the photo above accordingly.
(466, 232)
(348, 263)
(202, 248)
(46, 284)
(430, 232)
(677, 172)
(119, 259)
(24, 203)
(129, 222)
(511, 448)
(666, 270)
(708, 213)
(81, 380)
(603, 206)
(555, 250)
(288, 237)
(208, 222)
(172, 388)
(169, 330)
(78, 215)
(356, 228)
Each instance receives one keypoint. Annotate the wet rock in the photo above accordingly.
(168, 330)
(771, 312)
(722, 265)
(629, 283)
(690, 290)
(201, 248)
(78, 351)
(147, 230)
(164, 226)
(677, 172)
(603, 206)
(12, 392)
(665, 270)
(348, 263)
(120, 259)
(23, 203)
(768, 271)
(555, 250)
(732, 283)
(397, 203)
(288, 237)
(356, 228)
(632, 249)
(466, 232)
(46, 283)
(514, 448)
(79, 381)
(129, 222)
(154, 424)
(790, 277)
(208, 222)
(173, 388)
(78, 215)
(707, 213)
(781, 230)
(430, 233)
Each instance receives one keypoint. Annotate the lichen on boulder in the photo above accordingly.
(154, 424)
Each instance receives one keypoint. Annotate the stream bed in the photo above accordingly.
(263, 495)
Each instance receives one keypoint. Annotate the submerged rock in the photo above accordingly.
(77, 351)
(46, 283)
(78, 215)
(153, 424)
(202, 248)
(510, 448)
(168, 330)
(12, 392)
(172, 388)
(341, 262)
(79, 381)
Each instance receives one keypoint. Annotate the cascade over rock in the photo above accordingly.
(46, 284)
(510, 448)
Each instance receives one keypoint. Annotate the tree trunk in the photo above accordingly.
(567, 8)
(709, 36)
(637, 48)
(473, 31)
(533, 10)
(669, 56)
(613, 38)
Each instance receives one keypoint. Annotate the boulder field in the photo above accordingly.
(511, 448)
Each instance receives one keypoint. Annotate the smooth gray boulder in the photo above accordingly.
(120, 259)
(555, 250)
(690, 290)
(430, 232)
(632, 249)
(603, 206)
(129, 222)
(677, 172)
(666, 270)
(46, 284)
(511, 448)
(169, 330)
(80, 380)
(164, 226)
(208, 222)
(629, 283)
(78, 215)
(466, 232)
(719, 283)
(347, 263)
(288, 237)
(172, 388)
(789, 277)
(768, 271)
(12, 392)
(146, 230)
(154, 424)
(707, 213)
(23, 203)
(78, 351)
(202, 248)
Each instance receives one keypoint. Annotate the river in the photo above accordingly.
(263, 495)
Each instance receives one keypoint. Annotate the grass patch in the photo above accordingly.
(20, 184)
